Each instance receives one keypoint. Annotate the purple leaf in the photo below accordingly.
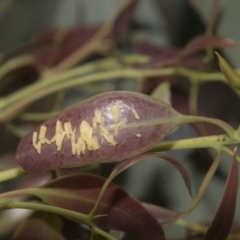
(129, 162)
(72, 230)
(202, 42)
(214, 15)
(40, 226)
(223, 219)
(108, 127)
(80, 192)
(162, 215)
(162, 57)
(72, 40)
(51, 47)
(65, 45)
(26, 48)
(130, 237)
(166, 57)
(122, 21)
(34, 180)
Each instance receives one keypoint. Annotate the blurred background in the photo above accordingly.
(165, 24)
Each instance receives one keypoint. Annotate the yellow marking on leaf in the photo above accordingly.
(119, 125)
(34, 137)
(74, 145)
(97, 119)
(86, 138)
(53, 139)
(39, 147)
(115, 109)
(42, 133)
(80, 146)
(59, 127)
(67, 129)
(46, 140)
(103, 130)
(59, 140)
(109, 139)
(135, 113)
(60, 133)
(34, 140)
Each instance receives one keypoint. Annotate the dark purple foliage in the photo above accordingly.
(80, 192)
(221, 225)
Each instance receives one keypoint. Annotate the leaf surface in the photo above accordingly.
(80, 192)
(222, 222)
(129, 162)
(123, 19)
(202, 42)
(162, 215)
(40, 226)
(231, 74)
(163, 92)
(128, 124)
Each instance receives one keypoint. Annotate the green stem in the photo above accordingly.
(102, 233)
(216, 141)
(193, 104)
(83, 218)
(41, 207)
(223, 125)
(97, 66)
(196, 227)
(51, 209)
(16, 63)
(10, 105)
(11, 173)
(193, 97)
(203, 186)
(14, 130)
(99, 199)
(13, 103)
(37, 116)
(58, 101)
(205, 183)
(201, 76)
(16, 193)
(231, 152)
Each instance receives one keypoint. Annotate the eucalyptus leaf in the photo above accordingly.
(202, 42)
(163, 92)
(222, 222)
(121, 212)
(39, 226)
(108, 127)
(164, 216)
(120, 167)
(231, 74)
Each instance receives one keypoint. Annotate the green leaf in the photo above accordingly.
(231, 74)
(163, 92)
